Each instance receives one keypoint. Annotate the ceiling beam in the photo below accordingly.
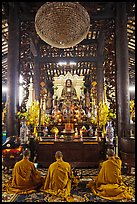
(107, 13)
(66, 59)
(101, 16)
(31, 17)
(67, 68)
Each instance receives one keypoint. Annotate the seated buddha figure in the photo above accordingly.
(69, 92)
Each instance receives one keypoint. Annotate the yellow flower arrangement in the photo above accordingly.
(132, 109)
(22, 115)
(111, 115)
(45, 119)
(92, 119)
(4, 114)
(32, 115)
(103, 114)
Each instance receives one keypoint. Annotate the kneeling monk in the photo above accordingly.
(108, 184)
(25, 177)
(59, 178)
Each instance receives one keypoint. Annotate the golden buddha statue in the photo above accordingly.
(69, 92)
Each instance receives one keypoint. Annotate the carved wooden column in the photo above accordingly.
(122, 73)
(100, 69)
(49, 100)
(35, 51)
(13, 69)
(37, 77)
(50, 94)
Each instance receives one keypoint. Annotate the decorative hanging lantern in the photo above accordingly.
(62, 24)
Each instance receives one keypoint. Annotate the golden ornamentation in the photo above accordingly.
(94, 83)
(103, 114)
(62, 24)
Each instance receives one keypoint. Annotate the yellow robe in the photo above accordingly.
(108, 184)
(59, 179)
(25, 178)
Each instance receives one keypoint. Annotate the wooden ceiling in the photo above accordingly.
(102, 15)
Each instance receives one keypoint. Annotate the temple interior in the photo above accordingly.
(68, 84)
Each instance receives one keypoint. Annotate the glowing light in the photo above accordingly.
(20, 95)
(62, 63)
(65, 63)
(21, 90)
(72, 63)
(132, 88)
(21, 79)
(4, 89)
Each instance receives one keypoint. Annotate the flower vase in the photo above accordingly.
(109, 132)
(24, 133)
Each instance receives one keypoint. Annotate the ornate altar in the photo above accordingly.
(68, 109)
(69, 113)
(70, 129)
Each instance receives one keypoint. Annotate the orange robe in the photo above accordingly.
(25, 178)
(59, 179)
(108, 184)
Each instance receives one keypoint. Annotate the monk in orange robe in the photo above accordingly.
(108, 184)
(25, 177)
(59, 178)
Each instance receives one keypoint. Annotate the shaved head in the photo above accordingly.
(110, 152)
(26, 152)
(58, 155)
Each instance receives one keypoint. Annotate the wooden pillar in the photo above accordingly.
(37, 77)
(35, 51)
(122, 73)
(13, 69)
(100, 70)
(50, 93)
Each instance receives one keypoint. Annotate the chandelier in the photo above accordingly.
(62, 24)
